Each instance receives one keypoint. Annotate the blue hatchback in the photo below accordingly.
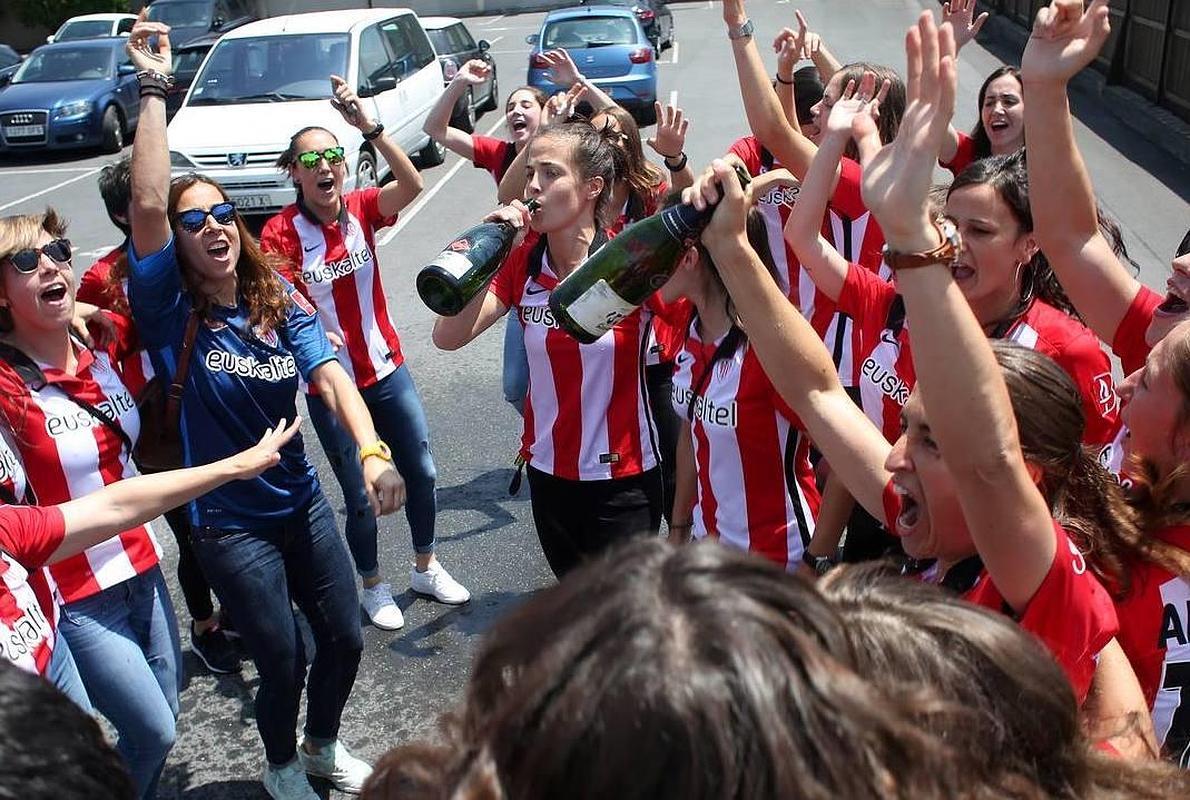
(609, 46)
(68, 95)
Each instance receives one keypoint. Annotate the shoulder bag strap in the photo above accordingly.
(173, 397)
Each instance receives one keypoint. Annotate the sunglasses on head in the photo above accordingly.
(310, 159)
(194, 219)
(27, 260)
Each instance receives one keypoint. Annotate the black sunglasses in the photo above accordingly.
(26, 260)
(193, 219)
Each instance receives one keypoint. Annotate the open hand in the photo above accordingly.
(959, 15)
(561, 69)
(561, 106)
(669, 140)
(346, 102)
(264, 454)
(857, 105)
(1065, 39)
(142, 53)
(88, 318)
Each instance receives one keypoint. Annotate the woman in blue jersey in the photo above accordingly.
(196, 273)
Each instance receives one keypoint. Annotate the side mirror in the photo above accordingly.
(5, 78)
(377, 85)
(217, 23)
(532, 38)
(484, 45)
(49, 39)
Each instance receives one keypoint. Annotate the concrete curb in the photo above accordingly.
(1141, 116)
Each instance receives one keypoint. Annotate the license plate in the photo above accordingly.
(247, 201)
(23, 131)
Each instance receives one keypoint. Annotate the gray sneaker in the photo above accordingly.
(345, 772)
(288, 782)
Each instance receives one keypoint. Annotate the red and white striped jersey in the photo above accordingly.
(775, 206)
(28, 613)
(886, 374)
(586, 413)
(1076, 350)
(756, 487)
(68, 453)
(97, 288)
(335, 267)
(1130, 347)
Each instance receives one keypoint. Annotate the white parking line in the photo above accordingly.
(673, 98)
(47, 190)
(429, 195)
(673, 54)
(495, 39)
(43, 170)
(493, 20)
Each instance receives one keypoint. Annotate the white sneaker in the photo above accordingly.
(346, 772)
(382, 609)
(437, 583)
(288, 782)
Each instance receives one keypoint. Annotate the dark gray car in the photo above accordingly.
(455, 47)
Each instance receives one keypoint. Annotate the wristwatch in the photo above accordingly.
(378, 449)
(375, 132)
(820, 564)
(945, 253)
(743, 31)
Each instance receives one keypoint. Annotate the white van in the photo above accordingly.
(264, 81)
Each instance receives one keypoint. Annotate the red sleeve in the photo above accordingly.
(95, 286)
(1072, 614)
(748, 149)
(1129, 342)
(670, 322)
(963, 155)
(866, 297)
(31, 533)
(846, 198)
(367, 204)
(1086, 363)
(509, 283)
(488, 153)
(280, 237)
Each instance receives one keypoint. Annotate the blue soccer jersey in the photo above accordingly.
(241, 383)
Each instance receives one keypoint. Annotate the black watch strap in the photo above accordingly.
(375, 132)
(820, 564)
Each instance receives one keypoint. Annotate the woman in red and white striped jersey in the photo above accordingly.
(1153, 593)
(75, 423)
(744, 474)
(588, 437)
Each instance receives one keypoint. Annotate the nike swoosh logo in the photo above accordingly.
(311, 248)
(535, 291)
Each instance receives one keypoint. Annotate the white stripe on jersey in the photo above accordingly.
(1025, 335)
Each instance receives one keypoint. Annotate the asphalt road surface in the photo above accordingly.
(485, 537)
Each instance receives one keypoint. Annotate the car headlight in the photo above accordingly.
(74, 109)
(179, 161)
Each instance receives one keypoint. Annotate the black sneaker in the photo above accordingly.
(227, 625)
(214, 650)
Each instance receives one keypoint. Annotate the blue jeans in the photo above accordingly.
(401, 422)
(515, 375)
(258, 574)
(125, 642)
(63, 673)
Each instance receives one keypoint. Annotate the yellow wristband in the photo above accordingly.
(378, 449)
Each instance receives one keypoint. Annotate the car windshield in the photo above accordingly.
(8, 56)
(65, 64)
(196, 14)
(84, 29)
(440, 38)
(271, 69)
(583, 32)
(187, 62)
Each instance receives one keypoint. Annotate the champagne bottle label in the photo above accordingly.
(453, 262)
(598, 309)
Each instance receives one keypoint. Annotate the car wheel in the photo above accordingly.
(493, 96)
(464, 118)
(113, 131)
(431, 155)
(365, 171)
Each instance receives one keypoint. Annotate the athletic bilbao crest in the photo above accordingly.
(301, 302)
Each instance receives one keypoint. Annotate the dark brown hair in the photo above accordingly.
(983, 145)
(259, 285)
(541, 97)
(594, 154)
(699, 672)
(893, 107)
(640, 174)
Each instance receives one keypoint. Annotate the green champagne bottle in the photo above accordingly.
(614, 280)
(467, 265)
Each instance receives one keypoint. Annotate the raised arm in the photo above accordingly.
(959, 16)
(148, 211)
(437, 125)
(406, 183)
(1065, 217)
(792, 355)
(564, 72)
(133, 501)
(765, 117)
(962, 389)
(669, 142)
(826, 266)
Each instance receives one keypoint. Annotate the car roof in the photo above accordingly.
(105, 43)
(105, 17)
(314, 22)
(435, 23)
(206, 40)
(590, 11)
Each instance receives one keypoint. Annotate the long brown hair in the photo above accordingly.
(641, 175)
(259, 284)
(1084, 497)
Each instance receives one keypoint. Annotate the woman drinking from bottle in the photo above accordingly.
(588, 434)
(74, 424)
(1147, 331)
(743, 465)
(271, 542)
(328, 241)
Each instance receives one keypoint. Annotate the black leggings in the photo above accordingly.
(659, 382)
(195, 589)
(576, 520)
